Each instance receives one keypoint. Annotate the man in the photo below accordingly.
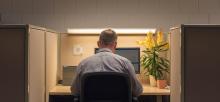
(106, 61)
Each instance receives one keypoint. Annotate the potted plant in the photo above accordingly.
(155, 64)
(161, 82)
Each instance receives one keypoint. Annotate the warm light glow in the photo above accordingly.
(117, 30)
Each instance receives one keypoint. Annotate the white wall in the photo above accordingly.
(62, 14)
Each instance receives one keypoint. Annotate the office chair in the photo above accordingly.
(105, 87)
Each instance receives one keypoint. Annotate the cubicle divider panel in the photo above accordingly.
(200, 63)
(36, 65)
(51, 61)
(28, 53)
(175, 64)
(13, 64)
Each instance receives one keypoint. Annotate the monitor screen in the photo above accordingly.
(69, 73)
(132, 54)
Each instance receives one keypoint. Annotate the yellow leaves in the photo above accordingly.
(143, 43)
(140, 42)
(148, 42)
(167, 46)
(159, 37)
(152, 40)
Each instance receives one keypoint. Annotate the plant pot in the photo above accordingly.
(142, 79)
(161, 84)
(153, 81)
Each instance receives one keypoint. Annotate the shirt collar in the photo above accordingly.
(104, 50)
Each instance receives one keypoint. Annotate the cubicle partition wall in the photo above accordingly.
(28, 63)
(13, 64)
(36, 56)
(200, 61)
(175, 63)
(51, 60)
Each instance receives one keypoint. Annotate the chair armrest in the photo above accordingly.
(134, 99)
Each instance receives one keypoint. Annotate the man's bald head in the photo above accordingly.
(108, 37)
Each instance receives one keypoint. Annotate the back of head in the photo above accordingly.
(107, 37)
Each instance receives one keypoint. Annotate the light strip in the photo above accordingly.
(117, 30)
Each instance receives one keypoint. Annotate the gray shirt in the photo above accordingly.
(106, 61)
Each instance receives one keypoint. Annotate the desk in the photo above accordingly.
(147, 90)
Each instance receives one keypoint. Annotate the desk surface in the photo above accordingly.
(147, 90)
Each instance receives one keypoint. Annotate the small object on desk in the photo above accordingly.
(60, 81)
(167, 87)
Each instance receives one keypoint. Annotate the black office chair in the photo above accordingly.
(106, 87)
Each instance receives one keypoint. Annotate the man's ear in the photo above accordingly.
(98, 43)
(115, 44)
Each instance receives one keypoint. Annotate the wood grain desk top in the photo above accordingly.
(147, 90)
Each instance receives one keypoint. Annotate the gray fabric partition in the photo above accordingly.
(200, 63)
(13, 65)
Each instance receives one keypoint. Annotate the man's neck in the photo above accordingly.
(111, 48)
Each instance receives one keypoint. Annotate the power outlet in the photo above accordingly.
(77, 50)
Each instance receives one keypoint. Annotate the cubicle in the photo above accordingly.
(195, 61)
(86, 45)
(193, 54)
(32, 61)
(28, 63)
(33, 58)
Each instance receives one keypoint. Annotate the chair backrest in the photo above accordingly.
(105, 87)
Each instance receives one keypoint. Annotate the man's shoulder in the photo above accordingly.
(96, 57)
(121, 58)
(88, 59)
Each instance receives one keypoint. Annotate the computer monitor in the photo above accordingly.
(132, 54)
(69, 73)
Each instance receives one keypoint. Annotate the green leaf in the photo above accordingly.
(163, 50)
(161, 45)
(147, 51)
(153, 63)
